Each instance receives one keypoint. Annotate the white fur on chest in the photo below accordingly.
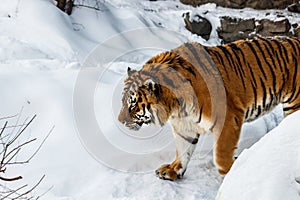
(188, 125)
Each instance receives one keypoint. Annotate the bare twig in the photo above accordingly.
(3, 128)
(10, 147)
(19, 147)
(86, 6)
(8, 117)
(12, 192)
(20, 132)
(44, 140)
(27, 192)
(11, 179)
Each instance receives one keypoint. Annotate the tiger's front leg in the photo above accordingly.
(185, 146)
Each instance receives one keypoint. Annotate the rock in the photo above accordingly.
(229, 24)
(198, 25)
(297, 32)
(295, 25)
(271, 28)
(256, 4)
(234, 29)
(294, 7)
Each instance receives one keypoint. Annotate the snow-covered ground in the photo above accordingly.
(46, 67)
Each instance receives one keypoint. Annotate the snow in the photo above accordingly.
(69, 70)
(270, 168)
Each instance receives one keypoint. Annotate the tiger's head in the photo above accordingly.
(138, 100)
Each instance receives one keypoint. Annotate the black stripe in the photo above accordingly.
(168, 81)
(296, 70)
(271, 99)
(181, 76)
(254, 95)
(268, 43)
(293, 96)
(210, 61)
(146, 73)
(239, 67)
(229, 58)
(214, 124)
(280, 46)
(264, 56)
(182, 65)
(179, 68)
(252, 76)
(282, 74)
(298, 45)
(264, 92)
(235, 48)
(219, 57)
(291, 44)
(297, 95)
(189, 139)
(285, 51)
(293, 81)
(294, 107)
(144, 106)
(271, 66)
(247, 113)
(252, 110)
(295, 75)
(200, 115)
(190, 70)
(195, 54)
(272, 57)
(257, 59)
(258, 111)
(152, 116)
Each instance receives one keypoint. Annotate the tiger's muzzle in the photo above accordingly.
(124, 118)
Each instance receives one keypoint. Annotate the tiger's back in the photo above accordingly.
(259, 74)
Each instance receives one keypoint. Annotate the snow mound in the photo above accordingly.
(270, 169)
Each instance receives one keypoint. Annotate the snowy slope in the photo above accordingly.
(270, 169)
(42, 55)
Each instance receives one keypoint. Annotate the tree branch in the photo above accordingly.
(10, 147)
(11, 179)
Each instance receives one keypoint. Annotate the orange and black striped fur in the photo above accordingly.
(216, 89)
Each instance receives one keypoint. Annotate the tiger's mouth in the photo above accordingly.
(136, 125)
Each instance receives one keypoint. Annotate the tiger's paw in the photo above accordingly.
(170, 172)
(224, 167)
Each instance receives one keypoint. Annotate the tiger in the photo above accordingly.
(201, 89)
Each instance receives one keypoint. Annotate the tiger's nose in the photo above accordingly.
(121, 119)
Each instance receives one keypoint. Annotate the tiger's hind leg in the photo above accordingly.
(226, 142)
(185, 146)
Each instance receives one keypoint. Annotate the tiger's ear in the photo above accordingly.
(130, 71)
(152, 87)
